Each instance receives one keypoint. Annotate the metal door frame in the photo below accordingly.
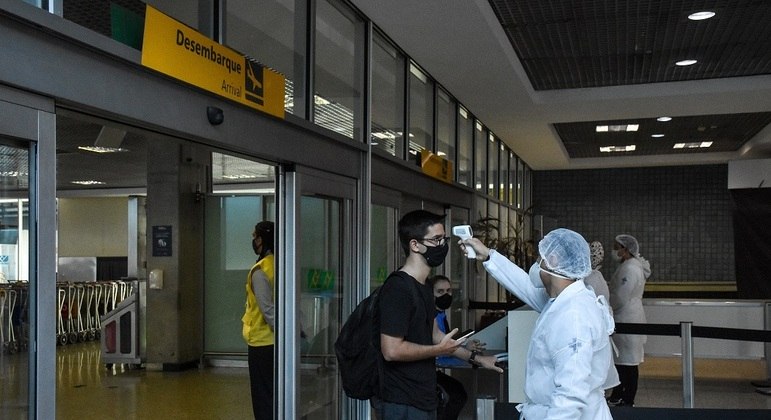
(294, 182)
(32, 120)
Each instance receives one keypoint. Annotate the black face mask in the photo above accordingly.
(443, 302)
(435, 255)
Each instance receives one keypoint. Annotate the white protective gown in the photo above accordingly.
(569, 353)
(626, 290)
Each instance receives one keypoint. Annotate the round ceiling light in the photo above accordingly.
(664, 119)
(701, 15)
(686, 62)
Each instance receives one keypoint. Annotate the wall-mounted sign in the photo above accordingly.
(436, 166)
(162, 241)
(180, 51)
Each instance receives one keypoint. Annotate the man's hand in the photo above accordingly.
(488, 362)
(448, 345)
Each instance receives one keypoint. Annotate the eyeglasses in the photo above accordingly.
(437, 241)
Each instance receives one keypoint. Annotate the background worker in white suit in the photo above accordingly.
(626, 290)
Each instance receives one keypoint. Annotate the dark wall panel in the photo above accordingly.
(681, 215)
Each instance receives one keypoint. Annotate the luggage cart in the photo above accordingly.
(10, 345)
(61, 331)
(120, 337)
(20, 318)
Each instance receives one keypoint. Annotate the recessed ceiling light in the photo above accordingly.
(664, 119)
(683, 63)
(601, 128)
(657, 135)
(610, 149)
(701, 15)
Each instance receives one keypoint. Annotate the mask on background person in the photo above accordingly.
(535, 276)
(443, 302)
(435, 255)
(615, 255)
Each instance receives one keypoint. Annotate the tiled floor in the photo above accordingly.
(87, 390)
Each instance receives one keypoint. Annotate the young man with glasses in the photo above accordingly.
(410, 339)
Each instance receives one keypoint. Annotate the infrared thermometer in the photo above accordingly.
(464, 232)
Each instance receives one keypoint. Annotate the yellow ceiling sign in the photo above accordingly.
(179, 51)
(436, 166)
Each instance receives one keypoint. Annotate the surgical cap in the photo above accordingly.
(565, 252)
(630, 243)
(597, 253)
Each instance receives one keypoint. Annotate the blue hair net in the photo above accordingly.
(630, 243)
(565, 252)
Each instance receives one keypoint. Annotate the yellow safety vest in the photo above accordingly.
(256, 331)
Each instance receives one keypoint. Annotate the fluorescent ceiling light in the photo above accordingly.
(611, 149)
(98, 149)
(693, 145)
(616, 128)
(701, 15)
(89, 182)
(683, 63)
(664, 119)
(657, 135)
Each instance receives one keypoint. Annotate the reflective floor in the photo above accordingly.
(86, 389)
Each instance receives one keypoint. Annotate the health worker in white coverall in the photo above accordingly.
(570, 353)
(626, 291)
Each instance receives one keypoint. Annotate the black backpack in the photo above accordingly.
(358, 348)
(357, 352)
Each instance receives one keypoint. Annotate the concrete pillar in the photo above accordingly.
(175, 311)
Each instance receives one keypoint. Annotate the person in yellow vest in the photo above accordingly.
(259, 321)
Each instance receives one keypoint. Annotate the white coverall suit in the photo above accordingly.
(569, 354)
(626, 290)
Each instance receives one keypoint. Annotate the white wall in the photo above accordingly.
(93, 227)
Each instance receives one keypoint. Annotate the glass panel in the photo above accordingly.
(445, 125)
(339, 70)
(421, 112)
(383, 246)
(492, 214)
(458, 274)
(520, 182)
(465, 147)
(480, 276)
(512, 179)
(503, 170)
(480, 157)
(320, 302)
(14, 281)
(273, 33)
(387, 97)
(122, 21)
(492, 166)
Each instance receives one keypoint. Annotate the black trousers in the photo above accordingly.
(453, 399)
(261, 380)
(627, 389)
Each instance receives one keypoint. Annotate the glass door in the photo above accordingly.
(27, 277)
(14, 279)
(316, 263)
